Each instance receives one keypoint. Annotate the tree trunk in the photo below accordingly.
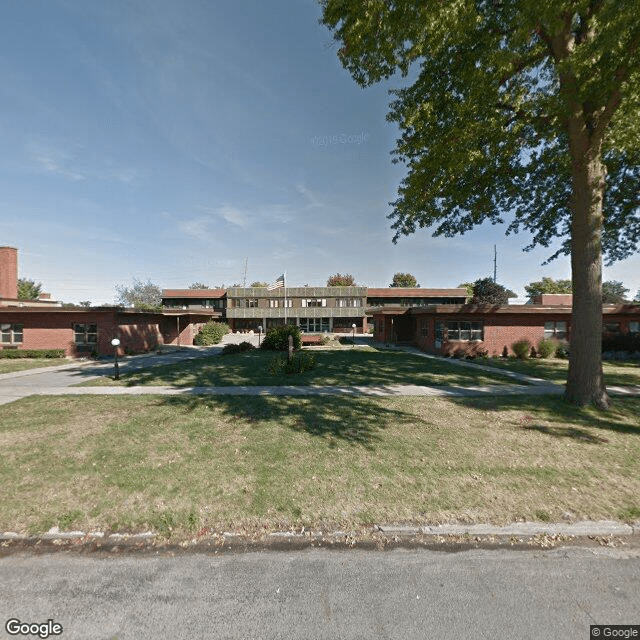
(585, 382)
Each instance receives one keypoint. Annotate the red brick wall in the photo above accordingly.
(8, 273)
(55, 330)
(500, 330)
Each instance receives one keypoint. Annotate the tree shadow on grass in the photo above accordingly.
(570, 421)
(336, 419)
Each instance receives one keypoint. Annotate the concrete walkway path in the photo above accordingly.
(59, 380)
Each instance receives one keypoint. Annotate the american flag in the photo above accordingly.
(278, 284)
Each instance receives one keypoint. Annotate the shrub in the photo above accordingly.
(562, 349)
(230, 349)
(301, 362)
(533, 354)
(505, 352)
(522, 349)
(277, 339)
(547, 348)
(211, 333)
(31, 353)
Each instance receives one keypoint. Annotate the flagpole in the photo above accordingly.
(284, 279)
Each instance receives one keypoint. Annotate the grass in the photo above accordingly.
(555, 369)
(180, 465)
(8, 365)
(334, 367)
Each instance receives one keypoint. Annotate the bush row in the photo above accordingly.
(230, 349)
(547, 348)
(14, 354)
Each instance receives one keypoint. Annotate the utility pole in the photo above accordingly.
(495, 263)
(244, 276)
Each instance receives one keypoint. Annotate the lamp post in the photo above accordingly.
(116, 372)
(353, 329)
(259, 334)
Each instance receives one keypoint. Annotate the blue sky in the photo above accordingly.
(171, 140)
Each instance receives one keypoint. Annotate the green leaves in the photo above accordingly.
(484, 125)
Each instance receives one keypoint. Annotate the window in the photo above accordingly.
(11, 333)
(314, 302)
(274, 304)
(424, 327)
(555, 329)
(348, 302)
(314, 325)
(611, 327)
(634, 326)
(464, 330)
(85, 333)
(245, 303)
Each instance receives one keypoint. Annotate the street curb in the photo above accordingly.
(583, 529)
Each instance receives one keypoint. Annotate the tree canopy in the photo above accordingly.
(28, 289)
(486, 291)
(198, 285)
(520, 112)
(340, 280)
(142, 295)
(614, 292)
(547, 285)
(404, 280)
(259, 284)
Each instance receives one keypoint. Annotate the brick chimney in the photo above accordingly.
(9, 273)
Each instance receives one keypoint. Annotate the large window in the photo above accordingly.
(244, 303)
(464, 330)
(634, 326)
(424, 327)
(314, 302)
(85, 333)
(611, 327)
(11, 333)
(314, 325)
(348, 302)
(555, 329)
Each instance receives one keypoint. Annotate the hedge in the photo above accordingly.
(14, 354)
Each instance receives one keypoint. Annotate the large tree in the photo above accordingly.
(614, 292)
(519, 108)
(404, 280)
(547, 285)
(341, 280)
(142, 295)
(486, 291)
(29, 289)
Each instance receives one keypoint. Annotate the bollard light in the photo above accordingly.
(116, 373)
(353, 328)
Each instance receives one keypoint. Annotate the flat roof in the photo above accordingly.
(194, 293)
(416, 292)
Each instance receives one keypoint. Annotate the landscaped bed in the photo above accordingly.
(186, 465)
(347, 367)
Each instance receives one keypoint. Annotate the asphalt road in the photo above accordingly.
(478, 594)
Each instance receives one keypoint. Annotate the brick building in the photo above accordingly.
(477, 329)
(45, 324)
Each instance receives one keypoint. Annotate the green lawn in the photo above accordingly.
(9, 365)
(182, 465)
(555, 369)
(334, 367)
